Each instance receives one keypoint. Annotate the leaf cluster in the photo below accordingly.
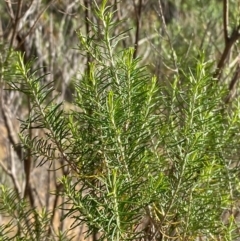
(134, 151)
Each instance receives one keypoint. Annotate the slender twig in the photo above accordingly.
(27, 166)
(208, 27)
(229, 41)
(138, 13)
(233, 83)
(225, 20)
(35, 23)
(13, 141)
(234, 62)
(173, 54)
(58, 190)
(87, 26)
(10, 11)
(11, 134)
(16, 22)
(13, 177)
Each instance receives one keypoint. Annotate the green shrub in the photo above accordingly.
(142, 160)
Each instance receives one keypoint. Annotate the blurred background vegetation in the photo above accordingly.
(46, 30)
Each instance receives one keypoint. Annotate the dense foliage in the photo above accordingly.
(128, 120)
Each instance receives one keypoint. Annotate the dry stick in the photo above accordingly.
(13, 141)
(50, 49)
(13, 177)
(173, 54)
(27, 166)
(233, 83)
(35, 23)
(65, 172)
(8, 126)
(138, 12)
(225, 19)
(17, 148)
(59, 187)
(14, 171)
(16, 22)
(87, 27)
(28, 158)
(226, 37)
(10, 131)
(10, 11)
(12, 17)
(205, 34)
(58, 190)
(229, 41)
